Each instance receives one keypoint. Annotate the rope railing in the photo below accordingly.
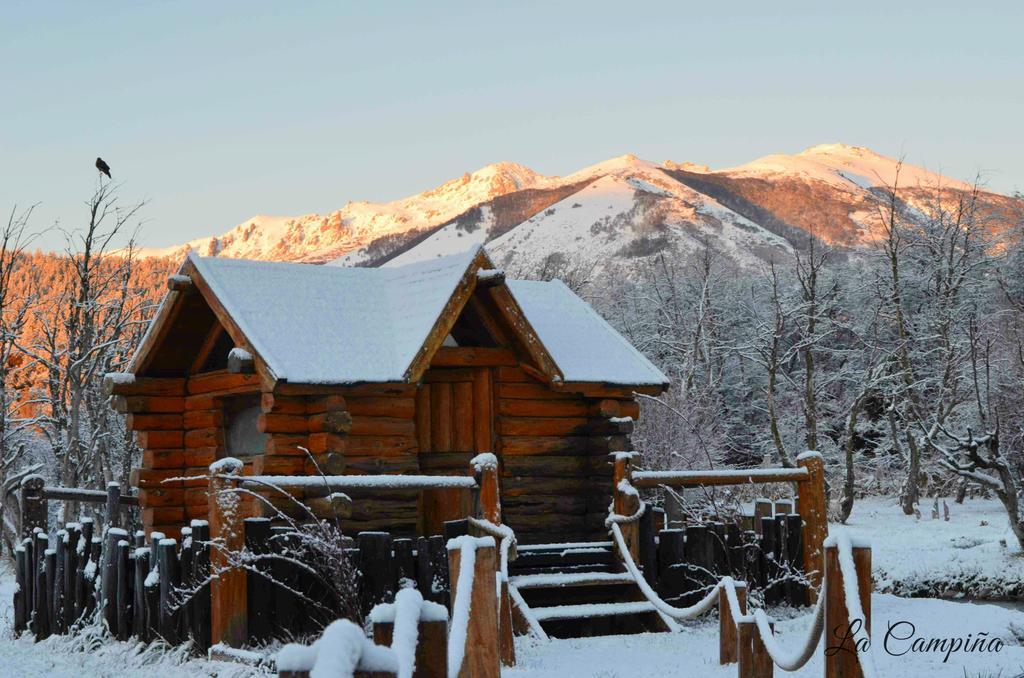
(789, 660)
(764, 636)
(676, 613)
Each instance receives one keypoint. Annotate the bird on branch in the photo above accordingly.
(103, 167)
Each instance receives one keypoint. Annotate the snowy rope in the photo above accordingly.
(502, 532)
(791, 661)
(677, 613)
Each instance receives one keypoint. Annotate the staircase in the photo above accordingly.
(574, 590)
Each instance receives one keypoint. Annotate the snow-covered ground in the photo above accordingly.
(693, 653)
(974, 552)
(906, 553)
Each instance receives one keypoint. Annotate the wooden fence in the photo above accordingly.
(683, 564)
(809, 477)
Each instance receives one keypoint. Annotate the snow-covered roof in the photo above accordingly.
(314, 324)
(330, 325)
(582, 344)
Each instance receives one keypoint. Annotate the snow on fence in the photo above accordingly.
(159, 588)
(410, 639)
(131, 581)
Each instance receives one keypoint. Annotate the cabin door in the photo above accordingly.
(454, 422)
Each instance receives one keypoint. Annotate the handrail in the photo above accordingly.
(382, 482)
(88, 496)
(643, 479)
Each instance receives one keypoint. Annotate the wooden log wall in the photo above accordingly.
(179, 425)
(554, 448)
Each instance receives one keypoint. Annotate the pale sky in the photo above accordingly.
(216, 111)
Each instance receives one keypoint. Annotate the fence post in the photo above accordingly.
(33, 505)
(812, 508)
(112, 514)
(485, 469)
(745, 649)
(841, 659)
(625, 504)
(764, 665)
(480, 659)
(228, 604)
(431, 645)
(727, 623)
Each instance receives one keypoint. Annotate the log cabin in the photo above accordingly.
(299, 369)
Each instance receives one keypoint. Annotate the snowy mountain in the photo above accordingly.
(619, 210)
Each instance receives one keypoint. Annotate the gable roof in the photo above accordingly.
(582, 344)
(313, 324)
(329, 325)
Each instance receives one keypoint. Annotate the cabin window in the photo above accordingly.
(241, 436)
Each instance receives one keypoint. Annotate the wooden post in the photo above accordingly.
(405, 561)
(812, 508)
(200, 572)
(431, 646)
(480, 659)
(108, 576)
(625, 504)
(762, 509)
(21, 591)
(764, 665)
(57, 607)
(648, 548)
(167, 562)
(259, 590)
(794, 553)
(745, 649)
(228, 606)
(671, 568)
(841, 659)
(506, 634)
(485, 469)
(113, 507)
(49, 569)
(139, 598)
(376, 566)
(727, 637)
(70, 570)
(125, 604)
(33, 505)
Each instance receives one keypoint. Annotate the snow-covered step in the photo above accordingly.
(562, 546)
(591, 610)
(559, 579)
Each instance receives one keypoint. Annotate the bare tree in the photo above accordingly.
(15, 304)
(86, 326)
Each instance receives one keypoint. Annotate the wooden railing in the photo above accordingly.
(809, 477)
(843, 570)
(227, 516)
(35, 495)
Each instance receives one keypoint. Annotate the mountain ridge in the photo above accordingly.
(624, 207)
